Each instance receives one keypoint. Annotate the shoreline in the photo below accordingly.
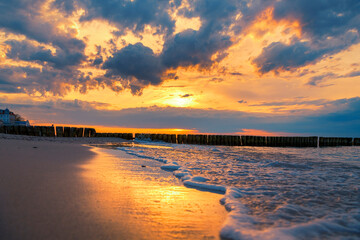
(64, 190)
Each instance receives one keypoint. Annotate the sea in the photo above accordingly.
(270, 192)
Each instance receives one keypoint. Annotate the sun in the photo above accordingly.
(179, 101)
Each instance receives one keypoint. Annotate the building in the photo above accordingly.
(7, 117)
(22, 123)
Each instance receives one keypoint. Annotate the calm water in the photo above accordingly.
(272, 193)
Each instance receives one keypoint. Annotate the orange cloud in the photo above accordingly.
(266, 24)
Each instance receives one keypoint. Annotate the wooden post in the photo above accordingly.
(245, 140)
(80, 132)
(92, 132)
(313, 141)
(37, 131)
(59, 131)
(73, 132)
(43, 131)
(23, 130)
(197, 139)
(226, 140)
(210, 140)
(6, 129)
(12, 129)
(237, 141)
(173, 138)
(216, 140)
(185, 139)
(86, 132)
(66, 131)
(179, 139)
(190, 139)
(17, 129)
(51, 131)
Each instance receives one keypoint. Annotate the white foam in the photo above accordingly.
(170, 167)
(131, 152)
(205, 186)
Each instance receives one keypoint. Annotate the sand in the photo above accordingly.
(57, 188)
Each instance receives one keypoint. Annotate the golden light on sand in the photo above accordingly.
(143, 201)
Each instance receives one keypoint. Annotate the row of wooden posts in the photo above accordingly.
(48, 131)
(201, 139)
(228, 140)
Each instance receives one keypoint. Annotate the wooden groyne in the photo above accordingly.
(48, 131)
(199, 139)
(261, 141)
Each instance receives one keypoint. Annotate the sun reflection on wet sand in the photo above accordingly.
(134, 199)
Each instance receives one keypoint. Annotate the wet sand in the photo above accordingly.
(64, 190)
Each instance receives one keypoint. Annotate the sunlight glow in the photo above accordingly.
(179, 101)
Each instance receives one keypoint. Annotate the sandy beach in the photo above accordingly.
(57, 188)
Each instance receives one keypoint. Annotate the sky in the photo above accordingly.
(263, 67)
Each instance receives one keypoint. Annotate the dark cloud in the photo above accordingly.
(136, 64)
(132, 15)
(296, 101)
(236, 74)
(321, 19)
(44, 80)
(353, 74)
(317, 80)
(191, 48)
(329, 26)
(139, 67)
(24, 50)
(242, 101)
(66, 5)
(279, 56)
(23, 17)
(186, 95)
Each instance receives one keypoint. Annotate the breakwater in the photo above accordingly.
(199, 139)
(261, 141)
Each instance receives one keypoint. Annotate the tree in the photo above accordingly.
(19, 118)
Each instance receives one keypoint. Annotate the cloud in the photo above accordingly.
(298, 101)
(43, 80)
(317, 80)
(136, 64)
(191, 48)
(129, 15)
(321, 19)
(343, 118)
(328, 27)
(186, 95)
(24, 50)
(279, 56)
(337, 118)
(30, 23)
(242, 101)
(353, 74)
